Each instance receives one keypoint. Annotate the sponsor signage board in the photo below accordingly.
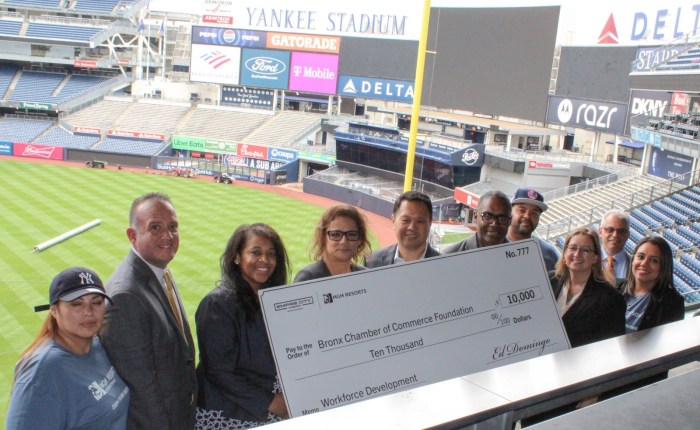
(87, 130)
(189, 143)
(135, 134)
(601, 116)
(228, 37)
(283, 155)
(375, 88)
(242, 96)
(84, 64)
(37, 151)
(314, 156)
(35, 106)
(679, 103)
(6, 148)
(534, 164)
(467, 197)
(265, 68)
(252, 151)
(670, 165)
(304, 42)
(646, 105)
(471, 156)
(408, 336)
(313, 73)
(217, 19)
(646, 136)
(215, 64)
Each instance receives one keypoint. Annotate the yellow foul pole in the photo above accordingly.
(417, 91)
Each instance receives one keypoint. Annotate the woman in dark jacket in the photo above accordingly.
(648, 289)
(236, 372)
(589, 306)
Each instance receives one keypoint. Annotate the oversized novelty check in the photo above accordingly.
(349, 338)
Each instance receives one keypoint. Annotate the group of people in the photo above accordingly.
(122, 355)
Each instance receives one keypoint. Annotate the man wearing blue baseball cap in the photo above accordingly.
(528, 205)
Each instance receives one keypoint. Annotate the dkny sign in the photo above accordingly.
(607, 117)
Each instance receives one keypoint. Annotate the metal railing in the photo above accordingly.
(624, 203)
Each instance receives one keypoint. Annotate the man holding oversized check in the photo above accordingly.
(353, 337)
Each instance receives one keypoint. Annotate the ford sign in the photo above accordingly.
(265, 65)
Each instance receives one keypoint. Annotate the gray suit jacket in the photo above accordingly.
(144, 343)
(385, 256)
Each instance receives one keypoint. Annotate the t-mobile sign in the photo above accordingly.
(313, 73)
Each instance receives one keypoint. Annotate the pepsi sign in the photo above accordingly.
(228, 37)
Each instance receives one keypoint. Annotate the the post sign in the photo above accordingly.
(228, 37)
(265, 68)
(670, 165)
(608, 117)
(375, 88)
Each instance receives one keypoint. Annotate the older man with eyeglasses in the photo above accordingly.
(493, 215)
(614, 232)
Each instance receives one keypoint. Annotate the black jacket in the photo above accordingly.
(599, 313)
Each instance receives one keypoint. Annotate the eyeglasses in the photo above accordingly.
(573, 249)
(488, 217)
(611, 230)
(337, 235)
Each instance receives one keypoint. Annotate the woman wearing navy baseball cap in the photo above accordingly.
(64, 379)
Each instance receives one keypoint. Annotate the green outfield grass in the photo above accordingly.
(40, 201)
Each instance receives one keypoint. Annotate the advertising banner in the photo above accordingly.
(304, 42)
(36, 106)
(467, 197)
(314, 73)
(679, 103)
(215, 64)
(375, 88)
(83, 64)
(37, 151)
(283, 155)
(87, 130)
(207, 145)
(608, 117)
(217, 19)
(252, 151)
(494, 307)
(314, 156)
(472, 156)
(669, 165)
(265, 68)
(135, 134)
(645, 136)
(650, 57)
(646, 105)
(242, 96)
(6, 148)
(228, 37)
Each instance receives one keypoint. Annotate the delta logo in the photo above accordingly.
(609, 34)
(215, 59)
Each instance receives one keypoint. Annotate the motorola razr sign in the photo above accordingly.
(608, 117)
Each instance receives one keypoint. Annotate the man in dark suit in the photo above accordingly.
(493, 215)
(146, 333)
(411, 218)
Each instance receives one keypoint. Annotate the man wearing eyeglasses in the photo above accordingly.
(614, 232)
(528, 205)
(411, 219)
(493, 215)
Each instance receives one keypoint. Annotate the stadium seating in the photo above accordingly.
(22, 129)
(690, 212)
(689, 234)
(78, 85)
(645, 219)
(36, 86)
(103, 6)
(7, 73)
(50, 4)
(42, 30)
(10, 27)
(654, 214)
(219, 124)
(676, 216)
(672, 236)
(60, 137)
(99, 115)
(689, 294)
(691, 263)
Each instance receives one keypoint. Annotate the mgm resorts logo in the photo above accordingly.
(330, 297)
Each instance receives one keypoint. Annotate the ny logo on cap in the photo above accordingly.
(85, 278)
